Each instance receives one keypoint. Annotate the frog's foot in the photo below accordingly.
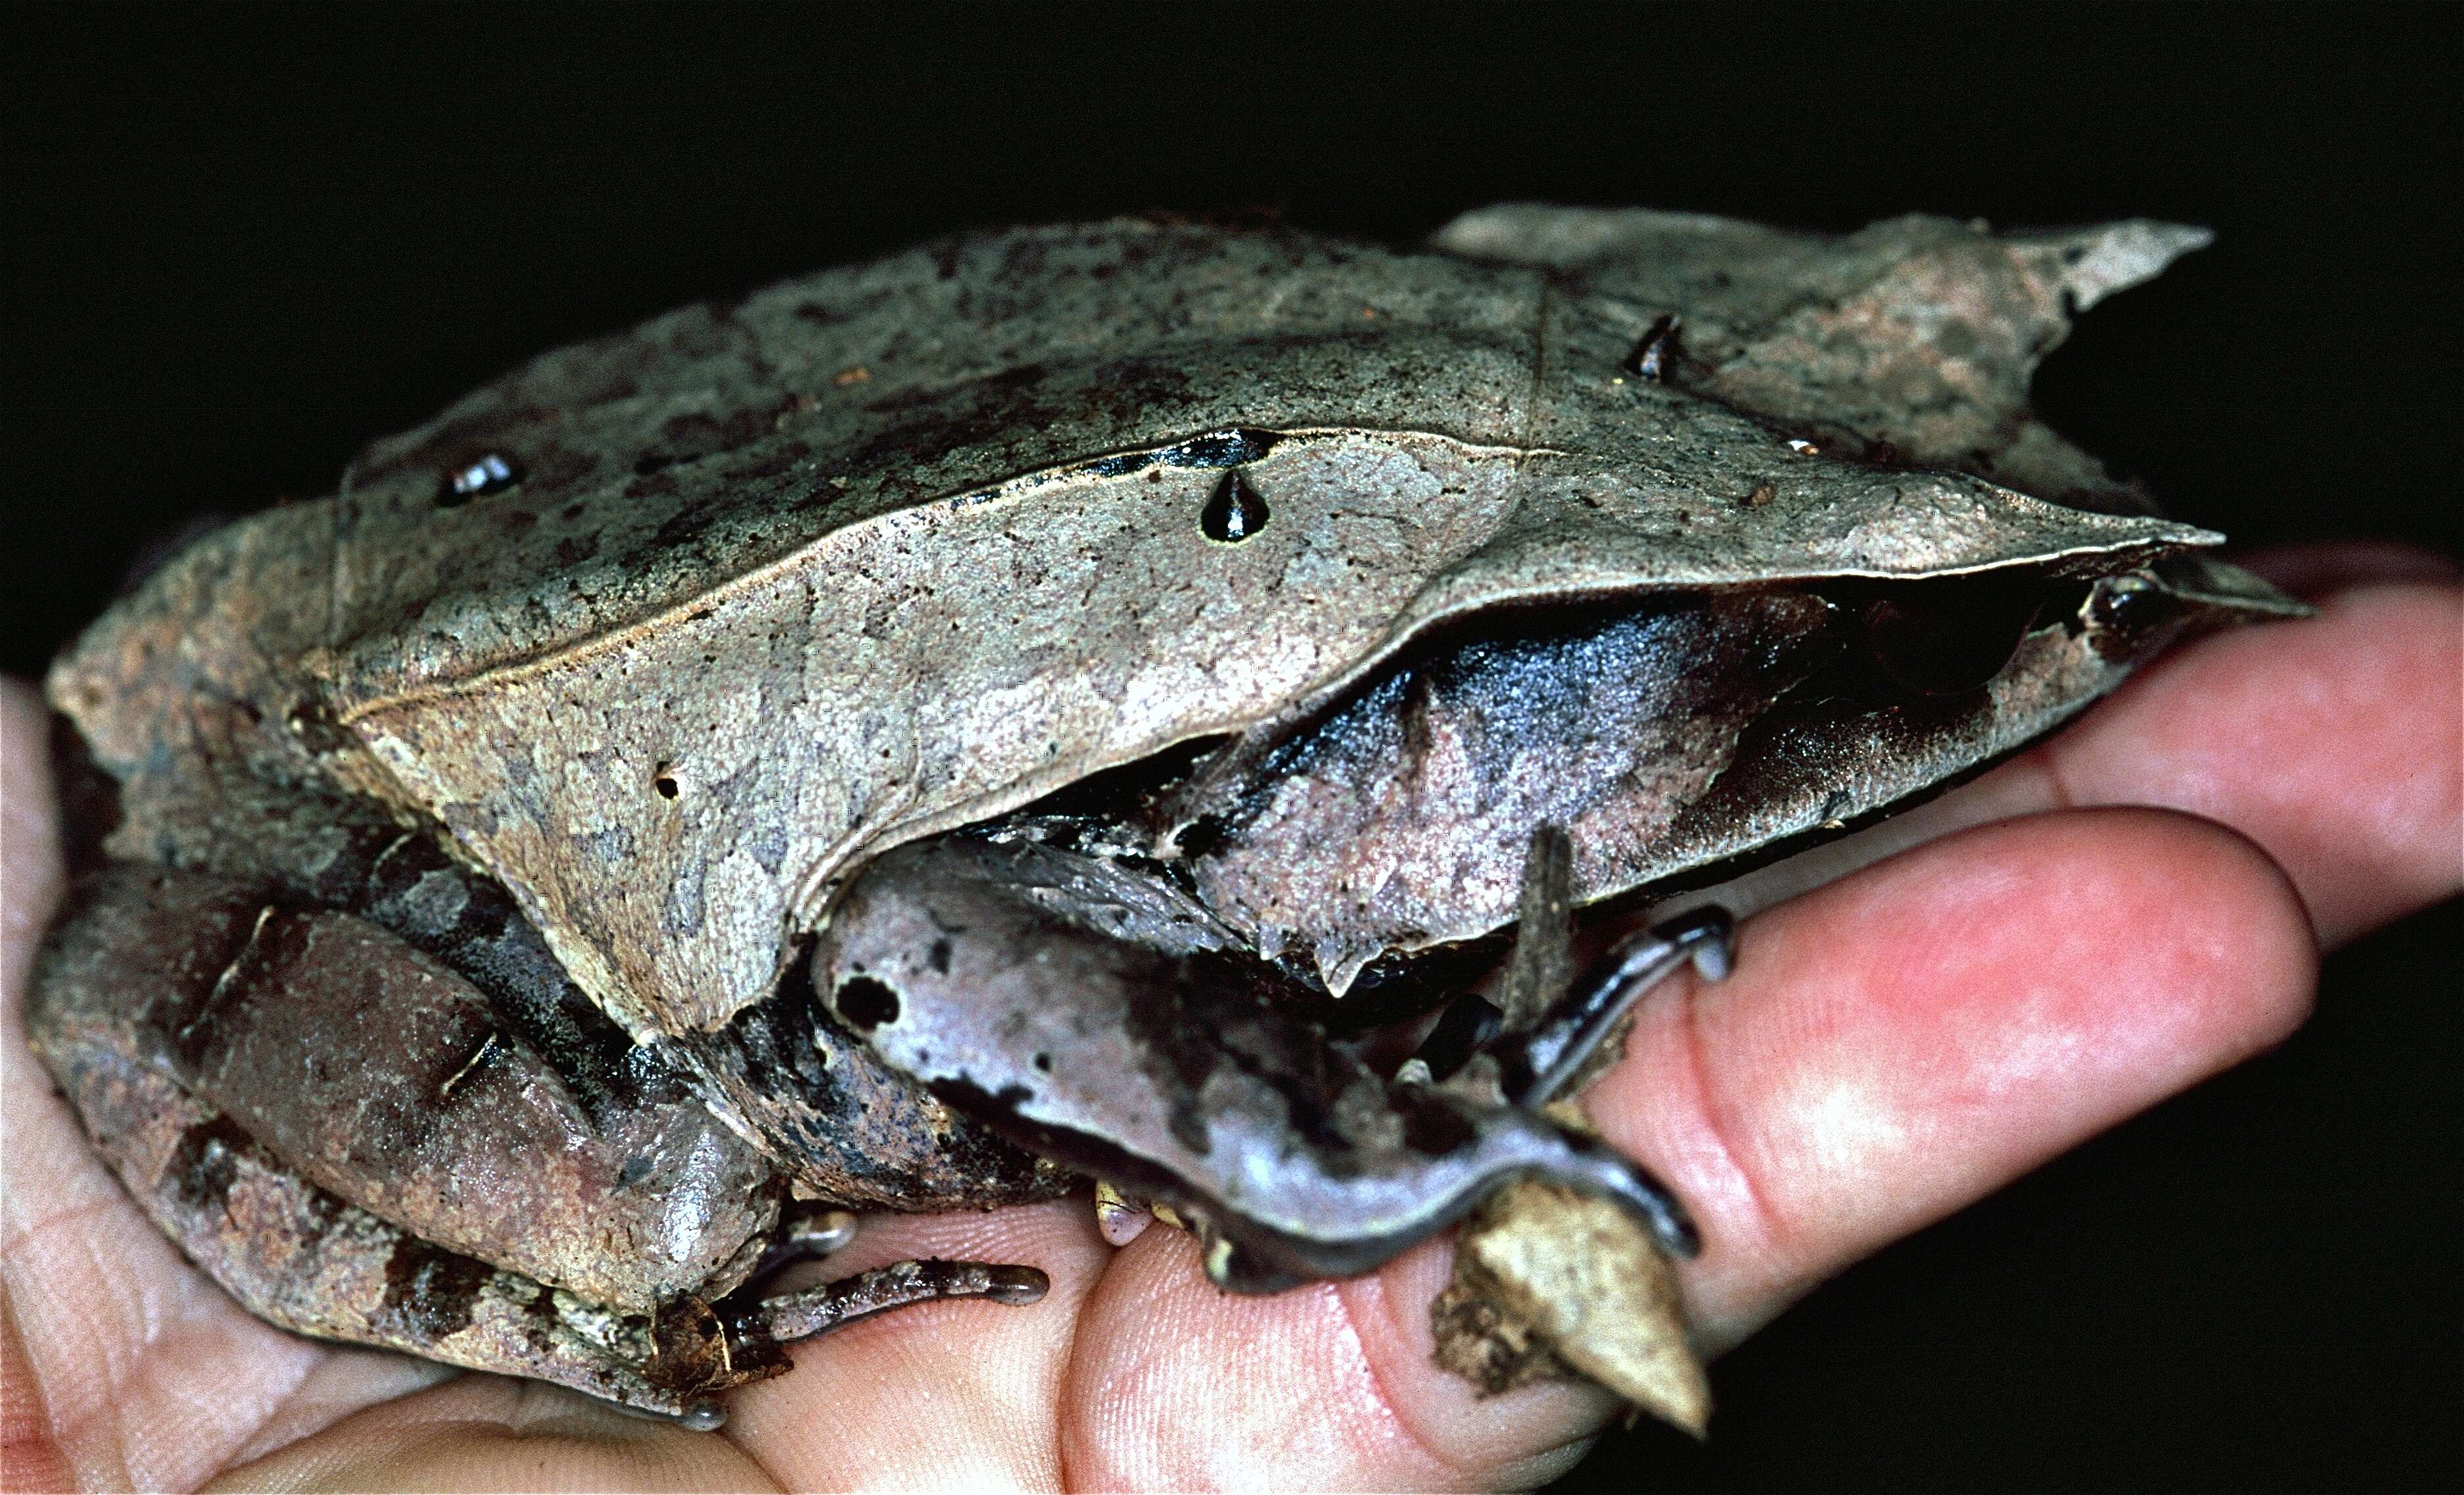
(757, 1317)
(331, 1125)
(1537, 1064)
(787, 1317)
(806, 1231)
(1121, 1216)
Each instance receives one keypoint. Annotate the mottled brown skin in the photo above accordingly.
(474, 828)
(464, 1127)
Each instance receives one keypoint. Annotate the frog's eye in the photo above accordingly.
(1946, 637)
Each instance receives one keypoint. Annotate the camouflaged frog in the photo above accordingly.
(1057, 703)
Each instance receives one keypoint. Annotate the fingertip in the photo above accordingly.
(1897, 1045)
(2315, 571)
(30, 856)
(1179, 1385)
(956, 1385)
(2261, 968)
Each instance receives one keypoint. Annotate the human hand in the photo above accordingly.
(1889, 1048)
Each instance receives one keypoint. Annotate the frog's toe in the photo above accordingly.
(1544, 1061)
(808, 1231)
(1119, 1218)
(787, 1317)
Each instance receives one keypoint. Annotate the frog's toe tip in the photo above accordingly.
(702, 1417)
(1017, 1285)
(1709, 935)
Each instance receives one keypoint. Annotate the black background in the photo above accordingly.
(242, 241)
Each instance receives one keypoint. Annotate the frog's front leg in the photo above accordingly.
(1090, 1011)
(335, 1128)
(1537, 1061)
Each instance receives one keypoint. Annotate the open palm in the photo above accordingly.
(1889, 1048)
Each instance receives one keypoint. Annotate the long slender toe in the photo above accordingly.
(817, 1310)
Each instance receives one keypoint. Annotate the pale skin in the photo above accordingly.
(1889, 1048)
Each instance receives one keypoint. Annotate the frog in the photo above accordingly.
(1151, 702)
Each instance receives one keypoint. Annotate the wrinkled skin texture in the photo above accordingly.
(1851, 1082)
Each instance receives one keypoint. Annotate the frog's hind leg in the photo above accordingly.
(760, 1324)
(318, 1184)
(379, 1074)
(298, 1254)
(806, 1231)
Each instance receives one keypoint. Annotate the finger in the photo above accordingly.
(1859, 1075)
(959, 1393)
(489, 1433)
(2335, 743)
(29, 847)
(2318, 571)
(1333, 1386)
(1906, 1041)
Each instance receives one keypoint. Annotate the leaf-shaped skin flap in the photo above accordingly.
(1914, 339)
(668, 800)
(715, 440)
(750, 593)
(1921, 331)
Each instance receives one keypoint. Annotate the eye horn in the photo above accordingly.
(1947, 637)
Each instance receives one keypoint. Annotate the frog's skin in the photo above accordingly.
(1055, 702)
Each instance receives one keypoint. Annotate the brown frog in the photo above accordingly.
(1080, 701)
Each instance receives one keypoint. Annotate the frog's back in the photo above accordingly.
(712, 440)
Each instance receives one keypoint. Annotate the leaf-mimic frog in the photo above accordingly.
(1060, 703)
